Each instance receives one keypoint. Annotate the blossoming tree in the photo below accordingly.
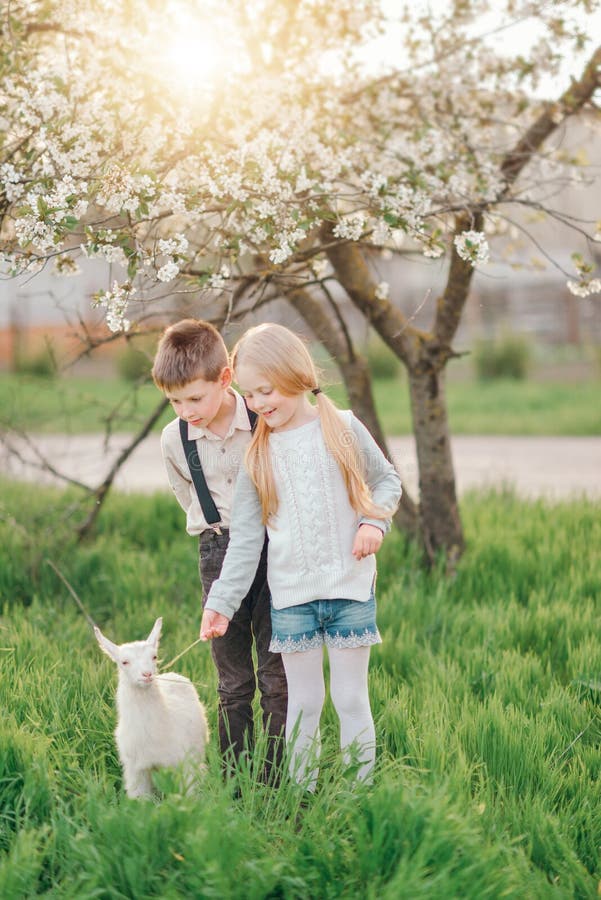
(255, 150)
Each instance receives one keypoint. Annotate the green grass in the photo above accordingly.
(499, 407)
(76, 405)
(486, 693)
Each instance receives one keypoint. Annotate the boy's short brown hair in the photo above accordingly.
(189, 349)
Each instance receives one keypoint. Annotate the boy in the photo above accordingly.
(192, 369)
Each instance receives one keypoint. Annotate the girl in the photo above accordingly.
(324, 491)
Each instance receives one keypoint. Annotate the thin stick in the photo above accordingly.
(91, 622)
(179, 655)
(71, 590)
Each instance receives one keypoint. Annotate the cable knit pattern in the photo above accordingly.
(299, 457)
(311, 537)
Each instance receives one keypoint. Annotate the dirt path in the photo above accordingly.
(554, 467)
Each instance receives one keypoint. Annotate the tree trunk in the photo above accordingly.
(440, 522)
(425, 355)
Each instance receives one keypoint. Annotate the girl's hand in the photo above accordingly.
(368, 540)
(213, 625)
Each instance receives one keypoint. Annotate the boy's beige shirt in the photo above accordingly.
(221, 459)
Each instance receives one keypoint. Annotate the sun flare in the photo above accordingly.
(194, 50)
(192, 59)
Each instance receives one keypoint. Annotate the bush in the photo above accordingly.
(506, 357)
(382, 361)
(40, 365)
(133, 364)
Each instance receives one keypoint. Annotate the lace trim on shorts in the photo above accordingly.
(354, 639)
(290, 645)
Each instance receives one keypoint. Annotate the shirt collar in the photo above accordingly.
(240, 422)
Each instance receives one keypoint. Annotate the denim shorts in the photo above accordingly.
(335, 623)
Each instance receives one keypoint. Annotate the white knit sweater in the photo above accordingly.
(312, 534)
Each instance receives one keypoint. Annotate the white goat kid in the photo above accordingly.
(160, 720)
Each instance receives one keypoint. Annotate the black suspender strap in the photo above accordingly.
(207, 504)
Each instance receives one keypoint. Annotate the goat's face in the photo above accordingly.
(137, 662)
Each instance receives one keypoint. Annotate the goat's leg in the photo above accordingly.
(138, 782)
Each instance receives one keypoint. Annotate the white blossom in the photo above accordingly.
(169, 271)
(280, 254)
(434, 251)
(41, 234)
(89, 139)
(115, 303)
(351, 228)
(382, 291)
(175, 245)
(320, 267)
(66, 266)
(584, 288)
(381, 232)
(472, 246)
(218, 279)
(112, 254)
(11, 180)
(303, 183)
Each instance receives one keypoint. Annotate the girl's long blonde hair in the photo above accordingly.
(282, 358)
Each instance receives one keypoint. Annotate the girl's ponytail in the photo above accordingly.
(341, 442)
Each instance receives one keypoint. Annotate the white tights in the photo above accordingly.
(306, 695)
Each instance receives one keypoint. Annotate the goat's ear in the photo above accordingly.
(153, 637)
(106, 646)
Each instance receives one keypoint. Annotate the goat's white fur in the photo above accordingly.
(160, 720)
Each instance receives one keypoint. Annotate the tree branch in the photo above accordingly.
(570, 102)
(103, 489)
(54, 27)
(450, 306)
(353, 274)
(39, 462)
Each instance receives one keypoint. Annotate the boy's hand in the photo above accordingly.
(213, 625)
(368, 540)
